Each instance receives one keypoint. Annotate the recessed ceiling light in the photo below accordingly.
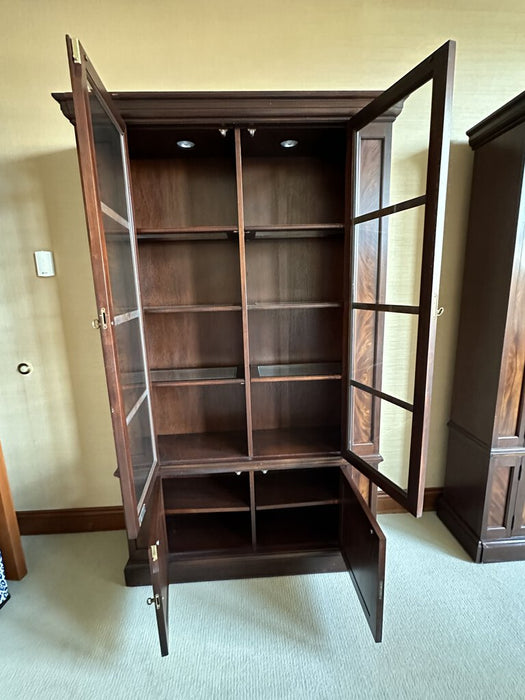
(185, 143)
(289, 143)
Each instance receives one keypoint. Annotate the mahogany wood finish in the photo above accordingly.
(437, 68)
(10, 543)
(363, 547)
(99, 519)
(158, 564)
(242, 294)
(483, 497)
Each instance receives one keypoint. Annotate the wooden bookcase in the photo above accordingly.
(240, 246)
(483, 502)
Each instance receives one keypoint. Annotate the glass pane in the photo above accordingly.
(387, 262)
(131, 362)
(385, 352)
(407, 176)
(389, 429)
(140, 447)
(108, 152)
(120, 261)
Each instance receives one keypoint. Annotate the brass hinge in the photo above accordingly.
(154, 551)
(101, 321)
(75, 48)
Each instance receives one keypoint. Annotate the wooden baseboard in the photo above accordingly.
(50, 522)
(385, 504)
(62, 520)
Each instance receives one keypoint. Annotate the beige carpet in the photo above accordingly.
(453, 629)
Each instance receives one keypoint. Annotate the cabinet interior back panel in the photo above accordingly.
(296, 404)
(183, 340)
(199, 409)
(289, 336)
(189, 272)
(292, 191)
(295, 269)
(184, 192)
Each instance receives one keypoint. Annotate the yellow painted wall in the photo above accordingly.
(54, 423)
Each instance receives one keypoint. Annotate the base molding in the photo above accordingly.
(385, 504)
(481, 551)
(63, 520)
(461, 531)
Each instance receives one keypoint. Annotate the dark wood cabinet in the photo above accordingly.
(241, 246)
(483, 501)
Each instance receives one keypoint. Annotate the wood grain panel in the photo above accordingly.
(511, 402)
(369, 280)
(499, 495)
(189, 272)
(186, 340)
(292, 191)
(199, 409)
(290, 336)
(298, 269)
(296, 404)
(178, 192)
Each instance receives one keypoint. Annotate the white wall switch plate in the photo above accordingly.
(45, 265)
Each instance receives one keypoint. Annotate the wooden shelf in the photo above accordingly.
(207, 494)
(293, 488)
(202, 447)
(189, 233)
(207, 532)
(190, 308)
(301, 528)
(307, 371)
(293, 231)
(269, 305)
(199, 376)
(297, 442)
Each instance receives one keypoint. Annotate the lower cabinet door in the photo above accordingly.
(363, 547)
(158, 563)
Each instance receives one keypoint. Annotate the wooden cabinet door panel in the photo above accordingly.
(501, 496)
(158, 563)
(104, 171)
(363, 546)
(390, 322)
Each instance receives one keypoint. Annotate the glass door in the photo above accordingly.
(395, 244)
(104, 170)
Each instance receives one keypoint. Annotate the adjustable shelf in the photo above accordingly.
(306, 371)
(190, 308)
(187, 233)
(293, 231)
(268, 305)
(199, 376)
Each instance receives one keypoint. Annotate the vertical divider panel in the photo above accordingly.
(252, 509)
(244, 295)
